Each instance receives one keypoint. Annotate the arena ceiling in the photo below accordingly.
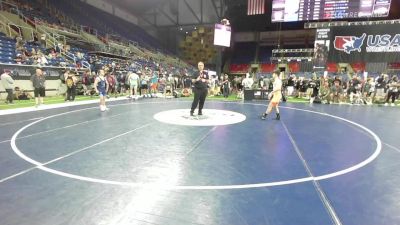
(187, 14)
(136, 6)
(176, 13)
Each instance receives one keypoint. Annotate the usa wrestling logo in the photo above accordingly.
(349, 44)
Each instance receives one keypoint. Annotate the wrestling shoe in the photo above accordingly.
(263, 116)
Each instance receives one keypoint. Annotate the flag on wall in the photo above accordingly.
(255, 7)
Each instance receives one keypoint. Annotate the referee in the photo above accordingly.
(200, 89)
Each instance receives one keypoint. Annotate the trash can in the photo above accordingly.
(248, 95)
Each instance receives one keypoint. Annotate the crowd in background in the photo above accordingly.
(133, 81)
(340, 88)
(140, 75)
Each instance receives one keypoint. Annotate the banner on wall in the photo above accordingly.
(321, 48)
(371, 43)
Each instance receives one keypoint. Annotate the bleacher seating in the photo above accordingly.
(239, 68)
(88, 15)
(80, 11)
(268, 67)
(7, 49)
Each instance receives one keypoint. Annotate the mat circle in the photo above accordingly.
(43, 167)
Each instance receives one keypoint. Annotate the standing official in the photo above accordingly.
(200, 89)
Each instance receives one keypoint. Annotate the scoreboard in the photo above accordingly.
(305, 10)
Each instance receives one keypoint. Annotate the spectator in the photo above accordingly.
(35, 39)
(19, 59)
(336, 92)
(324, 93)
(42, 60)
(266, 83)
(185, 92)
(162, 82)
(302, 86)
(353, 88)
(154, 82)
(52, 54)
(79, 55)
(290, 85)
(169, 85)
(187, 82)
(112, 83)
(8, 84)
(33, 52)
(43, 40)
(21, 94)
(313, 84)
(226, 86)
(38, 82)
(379, 87)
(247, 83)
(19, 45)
(133, 80)
(211, 86)
(86, 83)
(71, 81)
(393, 86)
(367, 90)
(121, 80)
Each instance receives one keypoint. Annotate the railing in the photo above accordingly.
(57, 28)
(53, 38)
(89, 30)
(12, 8)
(86, 65)
(69, 55)
(17, 28)
(73, 58)
(42, 66)
(8, 29)
(59, 38)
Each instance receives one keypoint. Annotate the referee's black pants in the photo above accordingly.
(199, 98)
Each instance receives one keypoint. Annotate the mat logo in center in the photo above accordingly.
(210, 117)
